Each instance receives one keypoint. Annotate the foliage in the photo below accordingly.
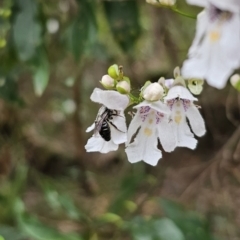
(50, 190)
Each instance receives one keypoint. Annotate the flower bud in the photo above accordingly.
(113, 71)
(162, 2)
(5, 13)
(176, 72)
(123, 87)
(153, 92)
(179, 81)
(161, 81)
(235, 81)
(168, 2)
(107, 82)
(3, 42)
(195, 85)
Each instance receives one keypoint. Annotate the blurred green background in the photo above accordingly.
(52, 55)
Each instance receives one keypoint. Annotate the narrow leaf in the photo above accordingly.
(123, 18)
(26, 30)
(41, 76)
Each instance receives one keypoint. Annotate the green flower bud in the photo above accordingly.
(126, 79)
(5, 13)
(108, 82)
(235, 81)
(130, 206)
(166, 3)
(3, 42)
(113, 71)
(123, 87)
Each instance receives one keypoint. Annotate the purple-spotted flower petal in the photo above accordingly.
(150, 122)
(180, 102)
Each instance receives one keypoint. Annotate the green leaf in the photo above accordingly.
(69, 206)
(154, 229)
(9, 89)
(123, 18)
(81, 33)
(141, 229)
(166, 229)
(111, 218)
(41, 75)
(35, 229)
(26, 29)
(191, 224)
(59, 201)
(11, 233)
(127, 189)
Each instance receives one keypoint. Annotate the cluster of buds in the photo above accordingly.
(115, 80)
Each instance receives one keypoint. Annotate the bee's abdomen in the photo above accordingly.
(105, 131)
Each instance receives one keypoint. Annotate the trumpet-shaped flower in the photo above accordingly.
(214, 52)
(110, 126)
(180, 102)
(150, 122)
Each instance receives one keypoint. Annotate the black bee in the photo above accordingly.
(103, 121)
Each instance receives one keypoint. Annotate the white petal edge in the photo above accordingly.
(181, 92)
(200, 3)
(196, 120)
(109, 98)
(133, 127)
(166, 135)
(89, 129)
(119, 135)
(98, 144)
(144, 148)
(184, 136)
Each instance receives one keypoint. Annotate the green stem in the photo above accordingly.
(133, 99)
(174, 8)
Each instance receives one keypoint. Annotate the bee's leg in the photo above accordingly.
(115, 126)
(116, 113)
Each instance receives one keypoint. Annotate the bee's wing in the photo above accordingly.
(101, 116)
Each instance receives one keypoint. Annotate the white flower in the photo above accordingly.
(180, 102)
(153, 120)
(115, 103)
(214, 53)
(153, 92)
